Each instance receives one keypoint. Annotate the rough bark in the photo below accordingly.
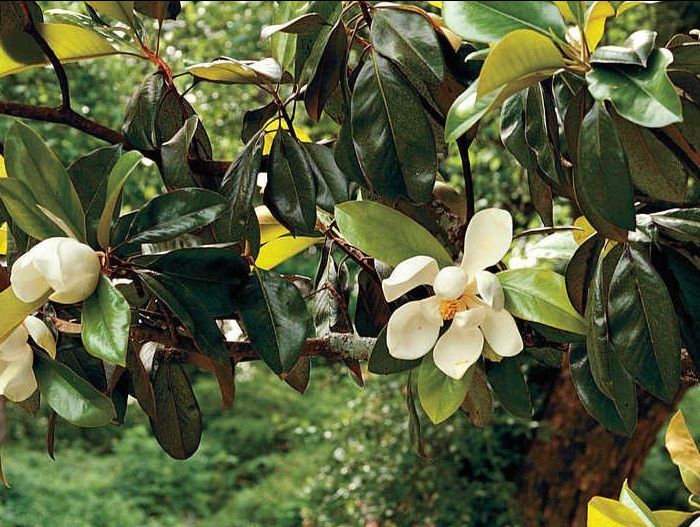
(574, 458)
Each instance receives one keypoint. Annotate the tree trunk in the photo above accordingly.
(574, 458)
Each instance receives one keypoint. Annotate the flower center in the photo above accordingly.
(449, 308)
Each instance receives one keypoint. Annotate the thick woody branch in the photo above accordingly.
(68, 117)
(336, 346)
(61, 116)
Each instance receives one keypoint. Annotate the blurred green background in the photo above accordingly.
(337, 456)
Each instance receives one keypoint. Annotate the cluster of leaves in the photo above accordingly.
(602, 127)
(630, 510)
(599, 126)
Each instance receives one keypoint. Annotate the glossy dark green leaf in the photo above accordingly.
(240, 182)
(605, 367)
(346, 156)
(440, 395)
(601, 408)
(20, 204)
(408, 39)
(299, 376)
(167, 10)
(255, 120)
(386, 113)
(372, 312)
(643, 326)
(122, 11)
(140, 115)
(331, 182)
(513, 130)
(90, 174)
(155, 112)
(687, 280)
(635, 50)
(178, 212)
(330, 12)
(654, 169)
(509, 387)
(174, 168)
(141, 381)
(71, 397)
(541, 197)
(538, 135)
(12, 17)
(112, 194)
(579, 271)
(331, 313)
(105, 319)
(325, 78)
(71, 352)
(290, 193)
(644, 96)
(602, 181)
(274, 316)
(300, 25)
(213, 274)
(368, 225)
(171, 113)
(478, 404)
(178, 426)
(680, 224)
(490, 21)
(29, 160)
(414, 428)
(381, 363)
(189, 308)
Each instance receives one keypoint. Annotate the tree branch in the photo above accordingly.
(61, 116)
(336, 346)
(31, 30)
(70, 118)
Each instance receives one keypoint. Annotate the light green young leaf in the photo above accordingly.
(115, 182)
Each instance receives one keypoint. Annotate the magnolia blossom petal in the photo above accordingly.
(413, 329)
(490, 289)
(409, 274)
(71, 268)
(502, 333)
(458, 349)
(13, 345)
(17, 381)
(488, 238)
(451, 282)
(28, 284)
(41, 335)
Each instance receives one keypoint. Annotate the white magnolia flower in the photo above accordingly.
(17, 381)
(64, 266)
(467, 295)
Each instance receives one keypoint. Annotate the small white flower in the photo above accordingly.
(64, 267)
(17, 381)
(467, 295)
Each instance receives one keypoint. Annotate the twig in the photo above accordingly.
(546, 230)
(365, 13)
(31, 30)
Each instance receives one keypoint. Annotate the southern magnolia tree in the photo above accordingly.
(100, 303)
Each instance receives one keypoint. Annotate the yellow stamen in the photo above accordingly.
(449, 308)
